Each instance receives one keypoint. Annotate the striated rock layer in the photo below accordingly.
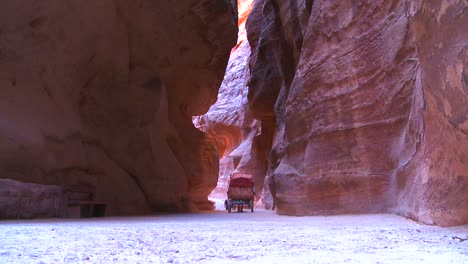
(103, 94)
(368, 104)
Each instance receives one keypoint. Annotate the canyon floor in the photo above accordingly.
(219, 237)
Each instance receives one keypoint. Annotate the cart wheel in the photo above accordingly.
(251, 206)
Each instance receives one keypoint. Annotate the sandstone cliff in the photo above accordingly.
(103, 92)
(368, 101)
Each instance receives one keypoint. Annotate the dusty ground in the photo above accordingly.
(218, 237)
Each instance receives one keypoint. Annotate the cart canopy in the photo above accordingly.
(241, 175)
(241, 180)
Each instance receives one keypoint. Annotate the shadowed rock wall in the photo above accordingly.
(103, 92)
(29, 200)
(368, 104)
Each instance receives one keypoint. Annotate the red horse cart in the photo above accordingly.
(241, 192)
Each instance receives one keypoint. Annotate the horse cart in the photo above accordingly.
(240, 192)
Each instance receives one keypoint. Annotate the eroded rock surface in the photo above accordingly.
(368, 103)
(28, 200)
(103, 94)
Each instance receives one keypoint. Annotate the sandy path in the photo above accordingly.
(218, 237)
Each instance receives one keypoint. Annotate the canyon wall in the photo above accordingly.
(366, 103)
(102, 93)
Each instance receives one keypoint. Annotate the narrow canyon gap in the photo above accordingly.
(353, 107)
(229, 122)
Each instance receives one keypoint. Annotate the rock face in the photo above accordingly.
(103, 93)
(367, 106)
(433, 182)
(29, 200)
(229, 122)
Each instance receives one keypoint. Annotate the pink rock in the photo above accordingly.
(368, 103)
